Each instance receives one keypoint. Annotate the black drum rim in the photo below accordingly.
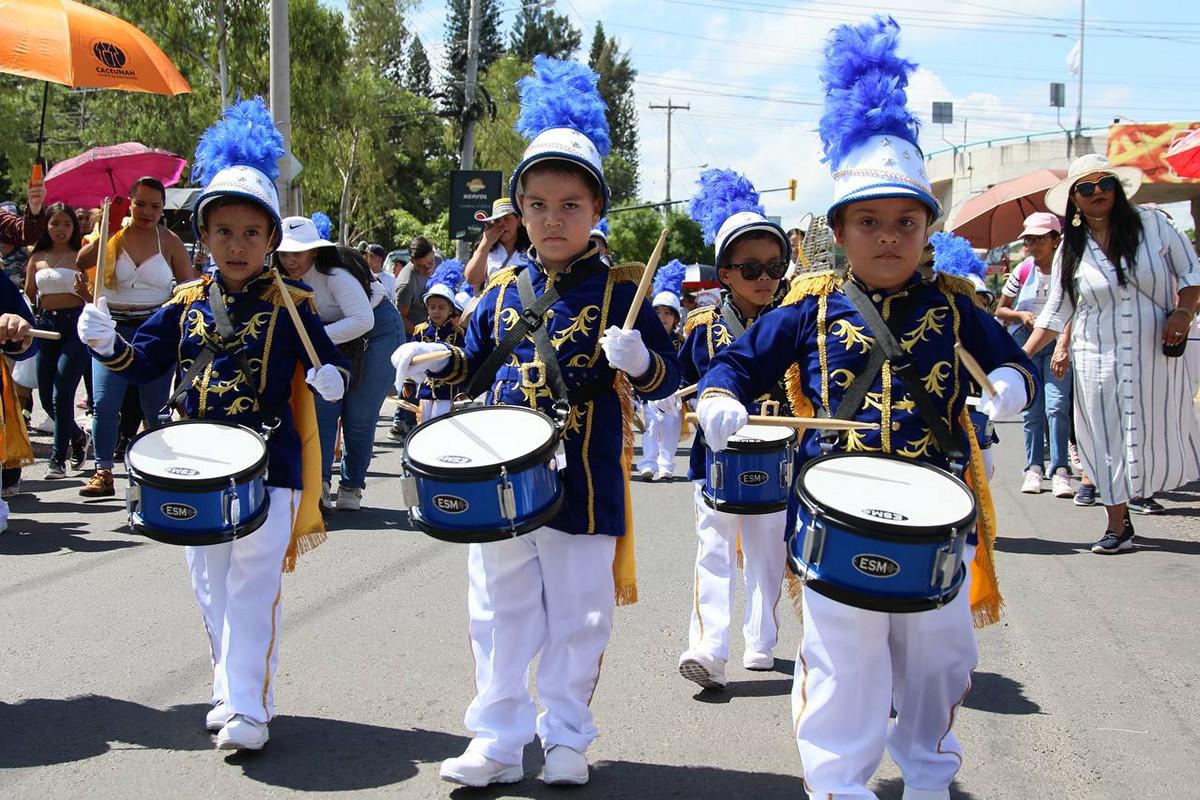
(202, 540)
(734, 446)
(486, 535)
(256, 470)
(469, 474)
(886, 605)
(726, 507)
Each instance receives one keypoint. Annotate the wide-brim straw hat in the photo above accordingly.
(1059, 193)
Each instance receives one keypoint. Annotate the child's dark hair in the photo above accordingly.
(76, 241)
(558, 166)
(1125, 229)
(153, 183)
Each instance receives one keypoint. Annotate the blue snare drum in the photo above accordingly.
(483, 474)
(881, 532)
(753, 474)
(197, 482)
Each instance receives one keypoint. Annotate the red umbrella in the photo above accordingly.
(101, 172)
(1184, 155)
(997, 216)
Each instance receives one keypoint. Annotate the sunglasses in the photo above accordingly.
(752, 270)
(1088, 188)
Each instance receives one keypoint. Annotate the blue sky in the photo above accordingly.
(747, 68)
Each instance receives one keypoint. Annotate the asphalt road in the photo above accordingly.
(1087, 689)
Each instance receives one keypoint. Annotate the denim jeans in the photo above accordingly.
(1051, 408)
(60, 366)
(359, 409)
(109, 388)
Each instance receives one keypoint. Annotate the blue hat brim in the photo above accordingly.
(551, 155)
(762, 225)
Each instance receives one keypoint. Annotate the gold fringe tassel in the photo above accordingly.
(812, 284)
(15, 449)
(628, 273)
(625, 559)
(986, 600)
(308, 528)
(190, 292)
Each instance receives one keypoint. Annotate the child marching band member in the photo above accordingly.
(664, 417)
(552, 589)
(238, 358)
(17, 343)
(751, 255)
(855, 665)
(442, 304)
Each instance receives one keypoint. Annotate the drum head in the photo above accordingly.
(196, 454)
(478, 441)
(761, 437)
(886, 491)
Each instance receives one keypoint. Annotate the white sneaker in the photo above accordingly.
(216, 718)
(565, 766)
(701, 668)
(1033, 481)
(1060, 483)
(326, 501)
(664, 475)
(241, 733)
(476, 769)
(758, 661)
(349, 499)
(647, 473)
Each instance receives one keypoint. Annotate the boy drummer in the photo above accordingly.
(552, 590)
(751, 255)
(236, 328)
(855, 665)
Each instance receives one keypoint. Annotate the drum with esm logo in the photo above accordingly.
(197, 482)
(753, 474)
(881, 532)
(483, 474)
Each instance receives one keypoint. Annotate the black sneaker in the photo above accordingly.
(79, 451)
(398, 432)
(1147, 505)
(1085, 495)
(1113, 543)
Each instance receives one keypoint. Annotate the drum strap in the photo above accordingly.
(887, 348)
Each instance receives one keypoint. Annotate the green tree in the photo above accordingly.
(417, 73)
(379, 33)
(633, 234)
(537, 31)
(497, 145)
(617, 76)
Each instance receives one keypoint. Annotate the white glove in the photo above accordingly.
(328, 382)
(407, 371)
(720, 418)
(96, 327)
(1010, 398)
(625, 351)
(667, 405)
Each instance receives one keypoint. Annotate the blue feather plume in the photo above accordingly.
(323, 222)
(449, 273)
(865, 82)
(602, 226)
(722, 194)
(562, 94)
(953, 255)
(245, 136)
(669, 277)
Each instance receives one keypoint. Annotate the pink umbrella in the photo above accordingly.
(101, 172)
(1184, 155)
(997, 216)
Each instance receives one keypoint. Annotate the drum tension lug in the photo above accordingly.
(507, 499)
(814, 545)
(716, 476)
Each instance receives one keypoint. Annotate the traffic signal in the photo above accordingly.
(792, 190)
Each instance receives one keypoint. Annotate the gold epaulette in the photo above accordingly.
(501, 277)
(628, 273)
(957, 285)
(299, 295)
(811, 284)
(190, 291)
(698, 316)
(420, 328)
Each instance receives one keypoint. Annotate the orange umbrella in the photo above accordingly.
(61, 41)
(997, 216)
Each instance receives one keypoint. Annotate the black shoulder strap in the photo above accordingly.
(735, 326)
(904, 368)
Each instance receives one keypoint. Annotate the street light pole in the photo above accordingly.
(467, 156)
(670, 108)
(281, 98)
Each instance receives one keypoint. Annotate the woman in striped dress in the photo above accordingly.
(1130, 282)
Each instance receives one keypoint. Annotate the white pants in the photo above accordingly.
(661, 439)
(764, 556)
(238, 587)
(432, 409)
(854, 666)
(546, 591)
(4, 511)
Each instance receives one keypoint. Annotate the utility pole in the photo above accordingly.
(281, 99)
(670, 108)
(222, 63)
(467, 158)
(1079, 109)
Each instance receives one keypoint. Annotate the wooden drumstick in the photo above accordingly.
(802, 423)
(38, 333)
(407, 406)
(101, 251)
(425, 358)
(976, 371)
(685, 391)
(296, 321)
(644, 283)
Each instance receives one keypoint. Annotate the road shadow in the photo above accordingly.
(772, 687)
(893, 789)
(311, 754)
(1034, 546)
(26, 537)
(370, 520)
(632, 780)
(998, 694)
(1181, 546)
(45, 731)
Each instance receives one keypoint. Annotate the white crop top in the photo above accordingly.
(145, 284)
(55, 280)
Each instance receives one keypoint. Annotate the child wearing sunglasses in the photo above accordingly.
(856, 665)
(751, 256)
